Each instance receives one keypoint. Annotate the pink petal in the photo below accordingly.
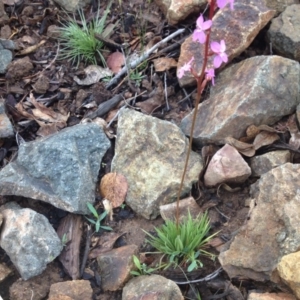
(215, 47)
(222, 46)
(199, 36)
(200, 21)
(231, 4)
(180, 73)
(206, 25)
(217, 61)
(221, 3)
(224, 57)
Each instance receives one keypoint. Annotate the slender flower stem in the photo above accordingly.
(200, 88)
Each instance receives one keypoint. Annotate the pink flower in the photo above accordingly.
(210, 75)
(186, 67)
(222, 3)
(199, 34)
(221, 56)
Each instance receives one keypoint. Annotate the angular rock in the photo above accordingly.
(177, 10)
(150, 153)
(186, 206)
(226, 166)
(245, 94)
(289, 271)
(38, 286)
(60, 169)
(272, 230)
(280, 5)
(284, 33)
(115, 267)
(263, 163)
(270, 296)
(28, 239)
(5, 272)
(237, 27)
(5, 53)
(6, 129)
(151, 287)
(75, 289)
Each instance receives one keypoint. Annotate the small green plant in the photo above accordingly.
(136, 76)
(183, 244)
(64, 240)
(142, 268)
(79, 42)
(98, 218)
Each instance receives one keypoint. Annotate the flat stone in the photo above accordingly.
(272, 230)
(270, 296)
(154, 287)
(289, 271)
(237, 28)
(226, 166)
(61, 169)
(115, 267)
(246, 94)
(186, 206)
(28, 239)
(6, 129)
(284, 33)
(261, 164)
(151, 154)
(177, 10)
(75, 289)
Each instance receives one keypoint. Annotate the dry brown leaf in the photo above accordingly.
(244, 148)
(104, 244)
(265, 138)
(115, 62)
(93, 75)
(164, 63)
(295, 134)
(114, 188)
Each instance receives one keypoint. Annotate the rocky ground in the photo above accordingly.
(70, 135)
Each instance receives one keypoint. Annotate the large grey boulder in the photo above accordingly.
(28, 239)
(272, 230)
(60, 169)
(259, 90)
(151, 154)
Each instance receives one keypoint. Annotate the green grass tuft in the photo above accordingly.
(78, 43)
(183, 245)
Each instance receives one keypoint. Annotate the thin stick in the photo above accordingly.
(86, 250)
(206, 278)
(166, 92)
(144, 56)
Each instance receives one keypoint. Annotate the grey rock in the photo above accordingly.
(6, 129)
(247, 93)
(263, 163)
(152, 287)
(280, 5)
(28, 239)
(60, 169)
(7, 44)
(151, 153)
(272, 230)
(5, 58)
(284, 32)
